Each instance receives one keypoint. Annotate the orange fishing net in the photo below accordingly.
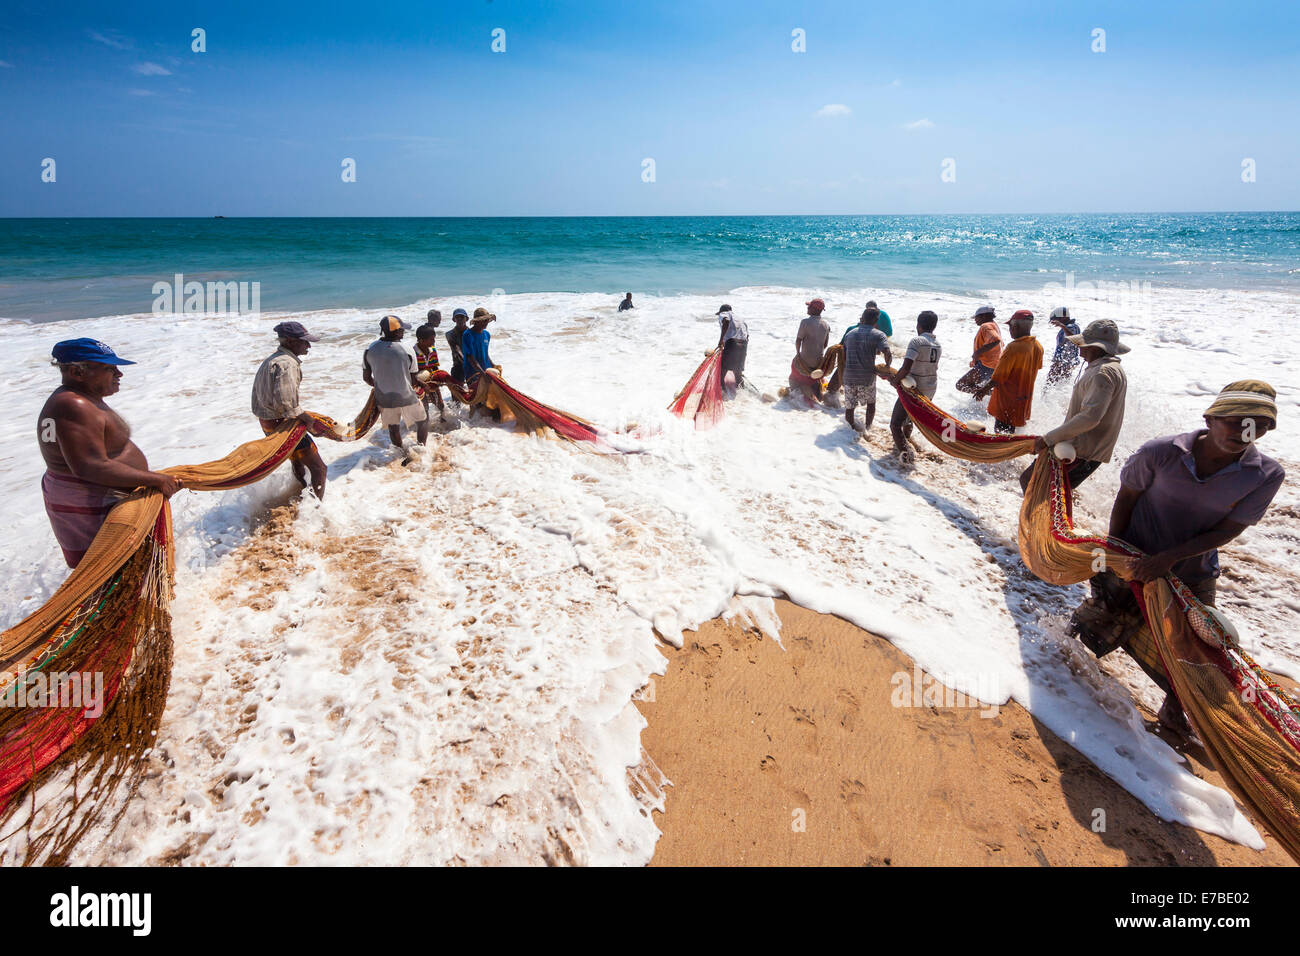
(1249, 724)
(83, 680)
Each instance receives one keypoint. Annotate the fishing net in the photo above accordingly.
(83, 680)
(508, 404)
(701, 398)
(1249, 724)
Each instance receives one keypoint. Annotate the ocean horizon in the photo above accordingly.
(69, 268)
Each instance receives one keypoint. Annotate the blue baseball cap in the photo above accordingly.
(86, 350)
(460, 312)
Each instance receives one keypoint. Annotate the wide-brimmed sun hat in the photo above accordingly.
(1103, 333)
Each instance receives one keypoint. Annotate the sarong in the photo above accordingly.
(77, 510)
(300, 450)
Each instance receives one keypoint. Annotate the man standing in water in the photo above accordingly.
(1012, 381)
(1096, 410)
(626, 303)
(460, 318)
(474, 343)
(861, 345)
(1181, 498)
(90, 461)
(275, 399)
(921, 362)
(426, 359)
(734, 342)
(986, 352)
(810, 348)
(390, 368)
(1066, 357)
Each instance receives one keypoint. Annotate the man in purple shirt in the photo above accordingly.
(1182, 498)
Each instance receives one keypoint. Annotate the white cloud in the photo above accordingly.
(896, 83)
(113, 39)
(141, 92)
(151, 69)
(918, 124)
(834, 109)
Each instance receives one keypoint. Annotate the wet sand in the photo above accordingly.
(796, 756)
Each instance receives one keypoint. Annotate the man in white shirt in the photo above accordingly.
(921, 362)
(391, 369)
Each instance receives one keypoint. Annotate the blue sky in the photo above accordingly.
(560, 123)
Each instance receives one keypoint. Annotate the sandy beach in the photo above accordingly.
(795, 755)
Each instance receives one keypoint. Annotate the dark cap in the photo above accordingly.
(722, 308)
(294, 330)
(86, 350)
(460, 312)
(985, 310)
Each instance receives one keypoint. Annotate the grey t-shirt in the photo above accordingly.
(392, 366)
(861, 343)
(924, 352)
(816, 332)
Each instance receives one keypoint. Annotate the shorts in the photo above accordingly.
(855, 395)
(408, 415)
(733, 357)
(300, 450)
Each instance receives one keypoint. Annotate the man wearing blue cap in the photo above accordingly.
(90, 461)
(275, 400)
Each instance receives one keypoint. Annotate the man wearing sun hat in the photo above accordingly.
(1096, 412)
(90, 461)
(391, 369)
(1182, 498)
(474, 344)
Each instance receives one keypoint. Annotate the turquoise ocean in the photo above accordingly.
(53, 269)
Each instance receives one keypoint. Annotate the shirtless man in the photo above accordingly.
(91, 462)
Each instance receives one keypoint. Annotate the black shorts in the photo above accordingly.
(733, 356)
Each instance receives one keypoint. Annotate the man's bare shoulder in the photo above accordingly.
(68, 405)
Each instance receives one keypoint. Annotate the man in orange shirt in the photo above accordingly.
(986, 352)
(1013, 379)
